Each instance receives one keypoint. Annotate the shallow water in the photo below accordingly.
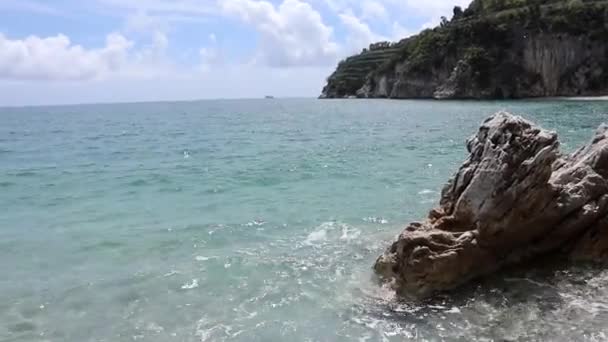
(255, 220)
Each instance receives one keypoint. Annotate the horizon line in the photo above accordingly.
(154, 101)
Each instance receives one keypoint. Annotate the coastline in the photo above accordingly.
(579, 98)
(539, 98)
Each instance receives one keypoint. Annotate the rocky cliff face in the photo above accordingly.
(554, 49)
(514, 199)
(352, 72)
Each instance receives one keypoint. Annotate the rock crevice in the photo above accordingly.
(516, 197)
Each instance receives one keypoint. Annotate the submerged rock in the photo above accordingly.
(514, 199)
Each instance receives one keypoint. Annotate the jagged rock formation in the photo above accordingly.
(494, 49)
(514, 199)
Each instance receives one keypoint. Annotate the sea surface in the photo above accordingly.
(256, 220)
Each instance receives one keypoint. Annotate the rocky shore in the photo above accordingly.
(514, 199)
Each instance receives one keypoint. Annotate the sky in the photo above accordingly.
(90, 51)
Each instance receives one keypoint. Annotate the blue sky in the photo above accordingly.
(77, 51)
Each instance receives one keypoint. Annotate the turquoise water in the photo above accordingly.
(254, 220)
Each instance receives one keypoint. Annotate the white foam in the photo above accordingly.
(582, 98)
(439, 307)
(332, 231)
(237, 333)
(426, 192)
(170, 273)
(256, 223)
(207, 330)
(316, 236)
(453, 310)
(203, 258)
(376, 220)
(365, 337)
(154, 327)
(192, 285)
(349, 234)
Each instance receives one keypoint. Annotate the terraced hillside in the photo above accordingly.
(492, 49)
(352, 72)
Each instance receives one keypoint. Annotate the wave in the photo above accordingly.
(203, 258)
(332, 231)
(316, 236)
(191, 285)
(25, 174)
(372, 219)
(138, 182)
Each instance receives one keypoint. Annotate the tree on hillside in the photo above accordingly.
(457, 13)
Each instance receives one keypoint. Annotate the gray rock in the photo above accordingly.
(515, 198)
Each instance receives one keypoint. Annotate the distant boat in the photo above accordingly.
(269, 97)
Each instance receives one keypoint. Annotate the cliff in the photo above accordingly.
(516, 198)
(493, 49)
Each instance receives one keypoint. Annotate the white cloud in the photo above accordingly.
(142, 22)
(411, 15)
(359, 33)
(28, 6)
(56, 58)
(160, 40)
(291, 34)
(151, 56)
(400, 32)
(434, 7)
(210, 56)
(429, 12)
(222, 81)
(373, 10)
(176, 8)
(337, 5)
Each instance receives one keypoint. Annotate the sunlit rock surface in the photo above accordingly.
(514, 199)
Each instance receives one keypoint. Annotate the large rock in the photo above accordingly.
(515, 198)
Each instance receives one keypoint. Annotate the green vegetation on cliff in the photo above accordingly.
(352, 72)
(493, 49)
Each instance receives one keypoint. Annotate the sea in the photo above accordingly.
(257, 220)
